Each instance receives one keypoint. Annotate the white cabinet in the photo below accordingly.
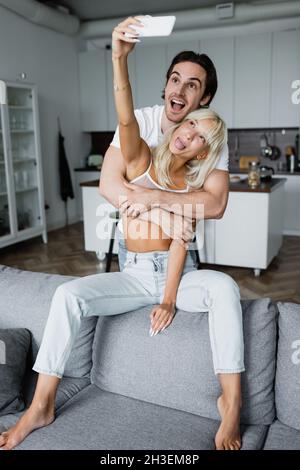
(98, 223)
(112, 116)
(255, 74)
(252, 80)
(93, 91)
(82, 176)
(221, 52)
(250, 232)
(22, 211)
(285, 69)
(150, 75)
(291, 205)
(174, 48)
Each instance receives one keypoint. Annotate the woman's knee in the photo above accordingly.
(66, 289)
(222, 283)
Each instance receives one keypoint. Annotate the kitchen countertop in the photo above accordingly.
(240, 186)
(87, 168)
(234, 171)
(266, 187)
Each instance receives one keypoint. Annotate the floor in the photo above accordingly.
(64, 254)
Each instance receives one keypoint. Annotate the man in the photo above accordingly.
(191, 83)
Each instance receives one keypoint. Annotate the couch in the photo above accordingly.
(123, 389)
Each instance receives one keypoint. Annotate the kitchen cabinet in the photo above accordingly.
(83, 175)
(93, 90)
(150, 75)
(291, 205)
(250, 232)
(252, 77)
(112, 116)
(173, 48)
(285, 69)
(22, 208)
(98, 220)
(221, 52)
(255, 74)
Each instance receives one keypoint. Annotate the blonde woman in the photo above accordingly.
(157, 269)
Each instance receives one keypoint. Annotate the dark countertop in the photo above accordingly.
(267, 187)
(87, 168)
(241, 186)
(234, 171)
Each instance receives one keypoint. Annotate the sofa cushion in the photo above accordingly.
(68, 388)
(287, 385)
(282, 437)
(25, 303)
(100, 420)
(174, 369)
(14, 346)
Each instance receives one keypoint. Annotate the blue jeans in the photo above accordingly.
(142, 283)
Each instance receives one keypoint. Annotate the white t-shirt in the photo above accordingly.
(149, 120)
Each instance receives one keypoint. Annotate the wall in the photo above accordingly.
(50, 61)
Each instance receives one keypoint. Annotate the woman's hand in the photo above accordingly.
(161, 317)
(121, 44)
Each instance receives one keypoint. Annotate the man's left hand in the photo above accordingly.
(138, 200)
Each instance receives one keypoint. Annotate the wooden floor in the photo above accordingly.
(64, 254)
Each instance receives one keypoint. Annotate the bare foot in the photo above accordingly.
(228, 435)
(35, 417)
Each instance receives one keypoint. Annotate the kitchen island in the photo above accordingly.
(250, 232)
(248, 235)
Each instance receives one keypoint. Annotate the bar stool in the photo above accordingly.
(115, 216)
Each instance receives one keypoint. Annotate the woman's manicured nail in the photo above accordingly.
(156, 333)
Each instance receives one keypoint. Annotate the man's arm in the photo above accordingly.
(212, 197)
(111, 184)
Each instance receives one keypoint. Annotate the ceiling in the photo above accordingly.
(87, 10)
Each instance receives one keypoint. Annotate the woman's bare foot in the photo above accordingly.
(228, 435)
(35, 417)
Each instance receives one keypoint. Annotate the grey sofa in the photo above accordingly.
(125, 390)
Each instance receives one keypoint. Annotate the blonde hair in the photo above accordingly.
(197, 170)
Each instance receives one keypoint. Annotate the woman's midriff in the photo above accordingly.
(141, 236)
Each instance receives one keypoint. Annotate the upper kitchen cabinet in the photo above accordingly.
(93, 91)
(221, 52)
(112, 116)
(150, 74)
(252, 81)
(285, 69)
(173, 48)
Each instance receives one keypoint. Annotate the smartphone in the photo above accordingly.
(154, 26)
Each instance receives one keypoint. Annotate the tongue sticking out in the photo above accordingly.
(178, 144)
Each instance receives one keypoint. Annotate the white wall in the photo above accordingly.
(50, 61)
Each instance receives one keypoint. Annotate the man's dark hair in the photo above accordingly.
(204, 61)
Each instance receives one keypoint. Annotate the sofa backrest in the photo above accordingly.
(25, 302)
(287, 387)
(175, 367)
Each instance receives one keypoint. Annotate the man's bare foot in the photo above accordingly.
(228, 435)
(35, 417)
